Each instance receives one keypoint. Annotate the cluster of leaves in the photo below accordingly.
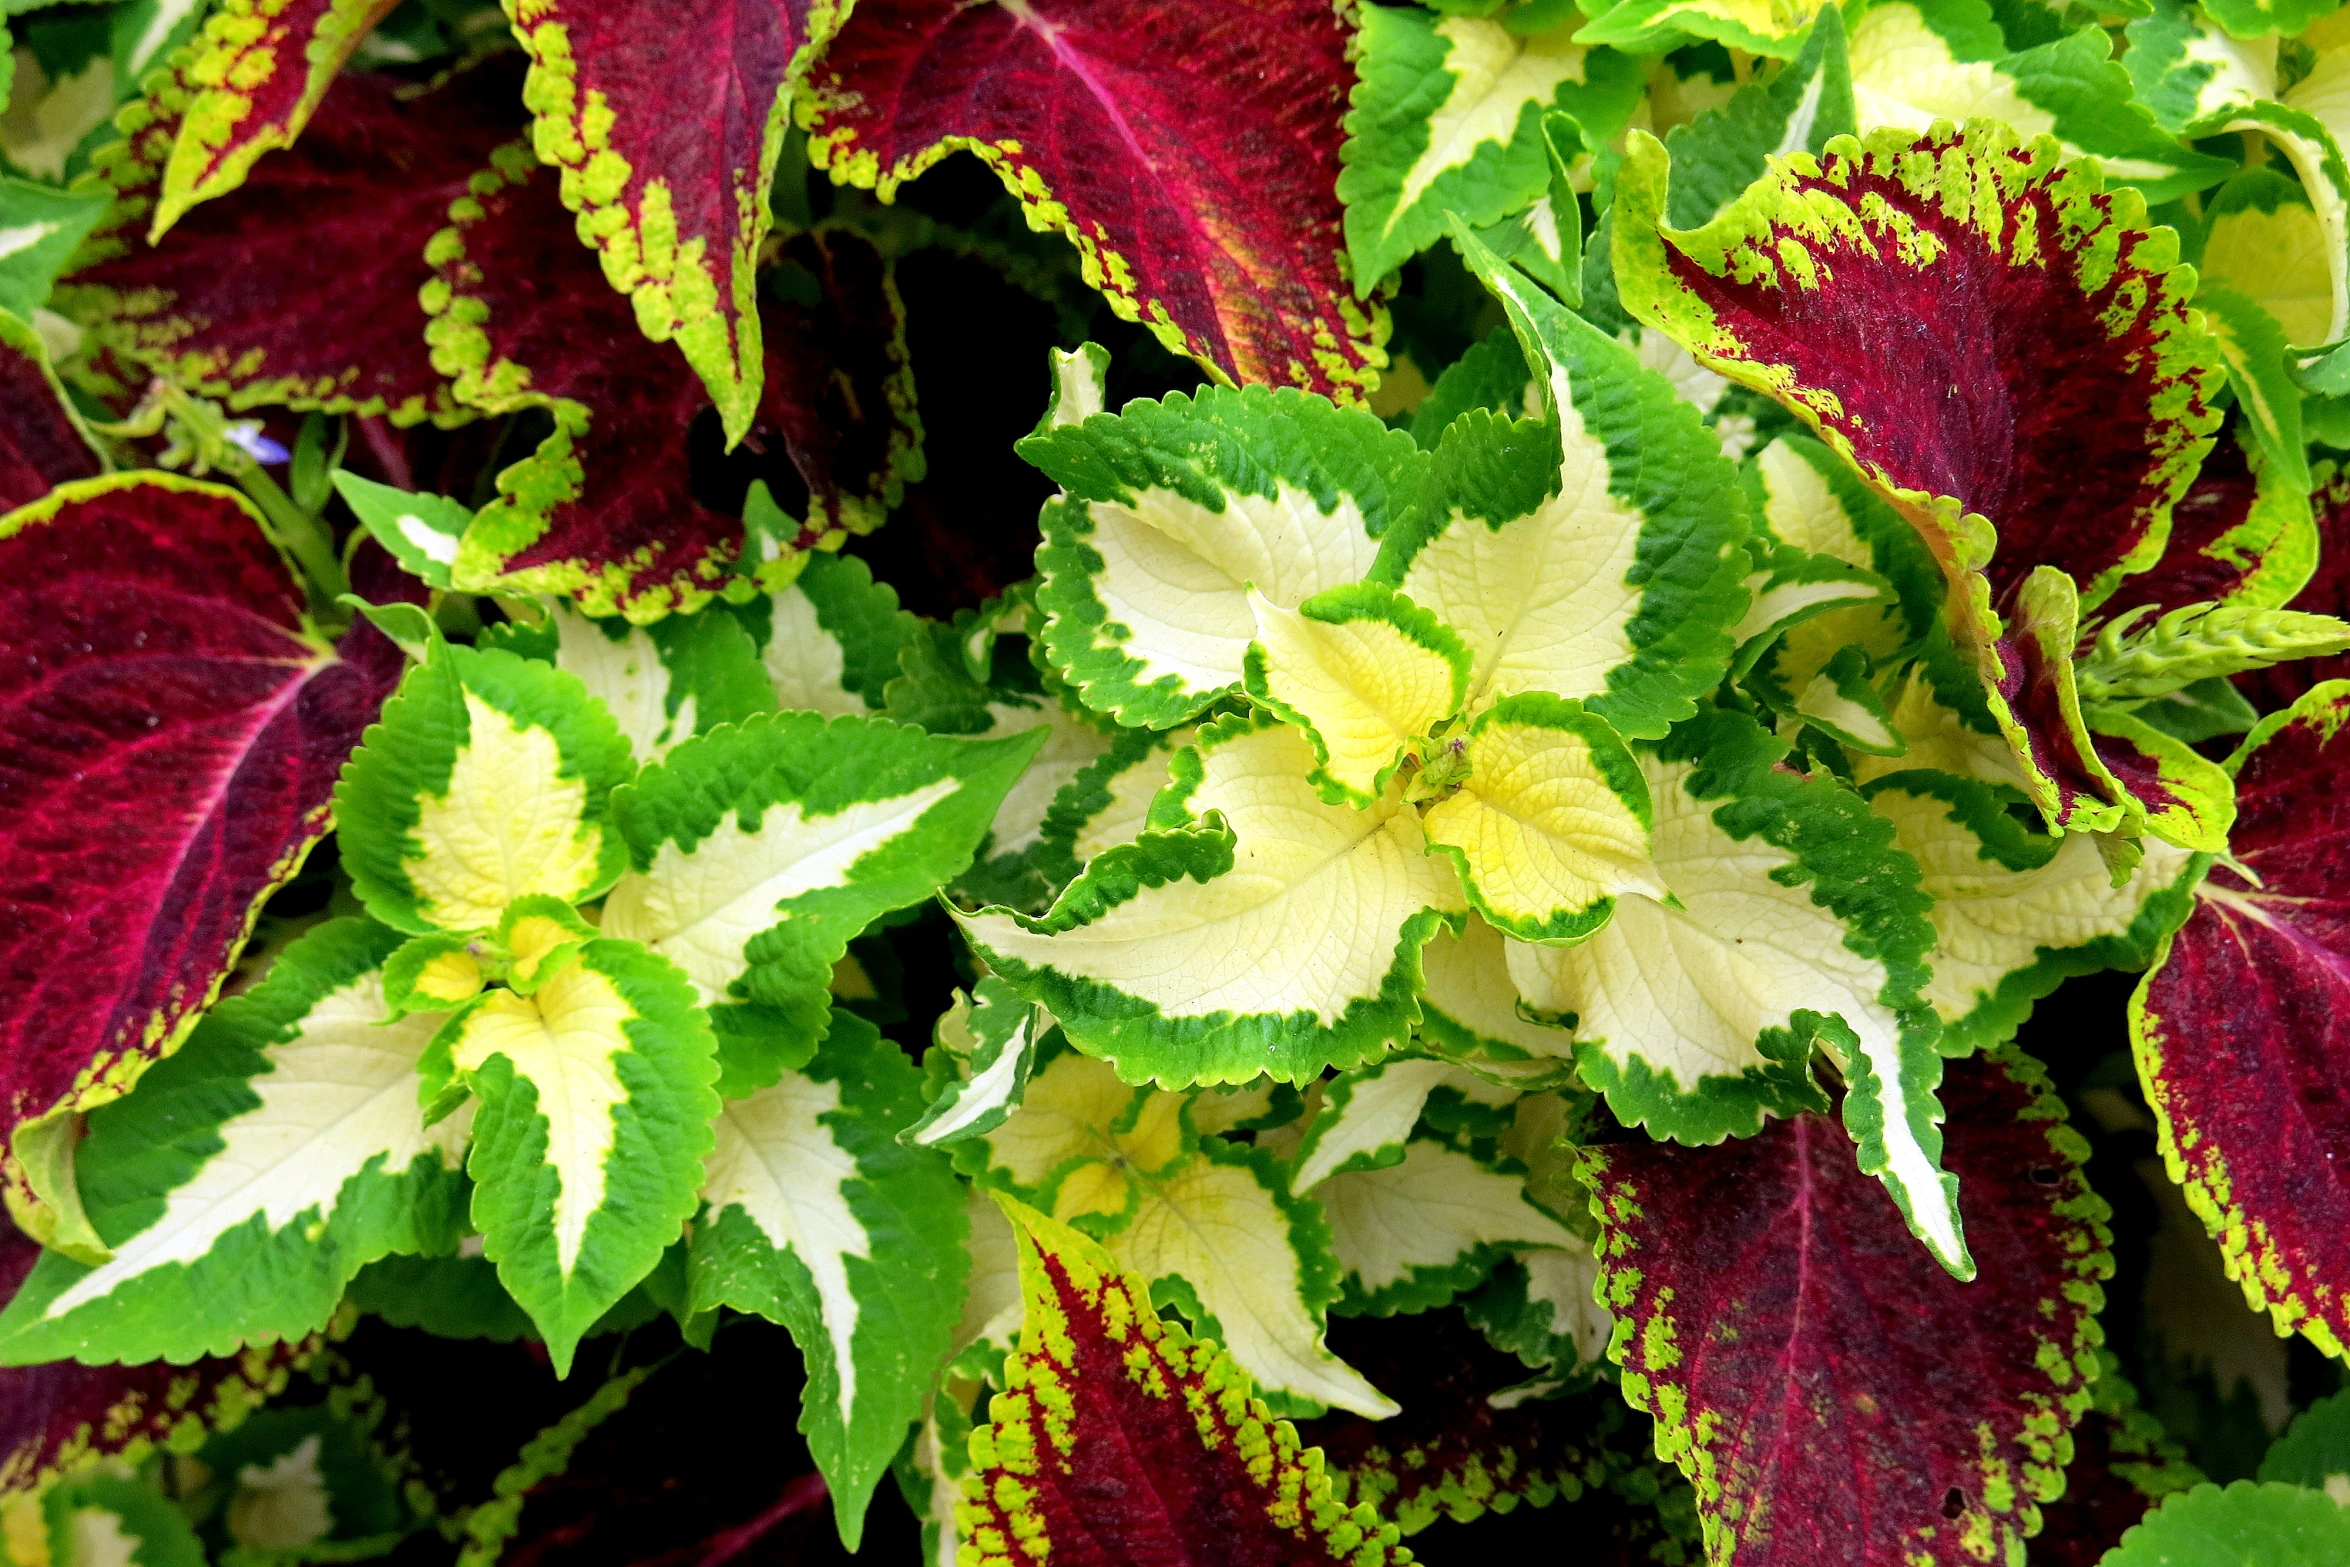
(1460, 945)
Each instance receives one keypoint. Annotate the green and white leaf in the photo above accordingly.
(665, 682)
(1726, 147)
(1079, 387)
(2263, 239)
(1366, 1116)
(1792, 909)
(2252, 345)
(1257, 929)
(1412, 1235)
(1171, 510)
(760, 849)
(2017, 912)
(819, 1218)
(1108, 802)
(1598, 556)
(595, 1119)
(1073, 741)
(992, 1037)
(1363, 672)
(1447, 119)
(1550, 827)
(1081, 1145)
(253, 1173)
(421, 531)
(104, 1519)
(1767, 27)
(487, 780)
(829, 640)
(1470, 1012)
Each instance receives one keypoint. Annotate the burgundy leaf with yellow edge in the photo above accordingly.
(1834, 1395)
(1189, 148)
(605, 510)
(2238, 535)
(666, 121)
(2327, 592)
(56, 1417)
(42, 442)
(171, 728)
(2242, 1028)
(319, 308)
(1120, 1438)
(251, 81)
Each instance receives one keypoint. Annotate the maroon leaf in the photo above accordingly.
(318, 309)
(41, 442)
(1834, 1395)
(2242, 1029)
(666, 120)
(1189, 150)
(170, 733)
(2328, 593)
(2232, 529)
(606, 509)
(57, 1416)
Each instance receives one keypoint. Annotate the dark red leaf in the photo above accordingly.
(170, 733)
(1834, 1395)
(317, 308)
(1190, 150)
(41, 443)
(2221, 532)
(57, 1416)
(606, 510)
(2242, 1030)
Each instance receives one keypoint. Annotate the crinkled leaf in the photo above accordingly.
(1829, 1391)
(249, 1177)
(488, 780)
(1107, 802)
(992, 1036)
(761, 848)
(1796, 923)
(2235, 1028)
(1448, 119)
(343, 217)
(819, 1218)
(830, 638)
(593, 1127)
(1226, 247)
(172, 727)
(1364, 1117)
(674, 206)
(1120, 1437)
(1171, 511)
(1184, 957)
(605, 509)
(1470, 1011)
(1595, 556)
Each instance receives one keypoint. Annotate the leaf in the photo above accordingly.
(1366, 1116)
(42, 227)
(1172, 511)
(675, 215)
(486, 782)
(2254, 979)
(2314, 1448)
(1769, 294)
(323, 314)
(605, 511)
(993, 1036)
(820, 1219)
(418, 531)
(2245, 1525)
(1826, 1388)
(2253, 347)
(1169, 960)
(758, 851)
(1447, 119)
(1107, 802)
(2327, 592)
(594, 1122)
(1724, 150)
(1611, 577)
(830, 638)
(2263, 239)
(254, 1173)
(1226, 248)
(664, 683)
(1551, 824)
(2240, 535)
(1081, 1145)
(57, 1418)
(150, 817)
(1918, 61)
(1363, 672)
(1119, 1437)
(2015, 912)
(43, 442)
(1470, 1011)
(1774, 30)
(1795, 923)
(1417, 1233)
(251, 81)
(114, 1518)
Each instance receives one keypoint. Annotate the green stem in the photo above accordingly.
(301, 535)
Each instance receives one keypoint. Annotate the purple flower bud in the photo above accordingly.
(246, 435)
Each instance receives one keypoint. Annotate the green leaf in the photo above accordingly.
(1594, 557)
(254, 1172)
(1171, 510)
(1448, 119)
(2202, 711)
(40, 227)
(1107, 802)
(99, 1520)
(1165, 962)
(681, 676)
(991, 1037)
(421, 531)
(486, 781)
(2314, 1450)
(2263, 240)
(1492, 374)
(1470, 1012)
(1366, 1116)
(594, 1122)
(821, 1219)
(2246, 1525)
(2253, 346)
(761, 848)
(1724, 150)
(830, 640)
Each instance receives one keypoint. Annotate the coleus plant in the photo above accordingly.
(1455, 932)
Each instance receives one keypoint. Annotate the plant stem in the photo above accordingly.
(301, 535)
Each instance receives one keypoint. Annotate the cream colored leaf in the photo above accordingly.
(1427, 1212)
(508, 825)
(1495, 75)
(1365, 686)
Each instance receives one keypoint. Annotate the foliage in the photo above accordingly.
(1493, 914)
